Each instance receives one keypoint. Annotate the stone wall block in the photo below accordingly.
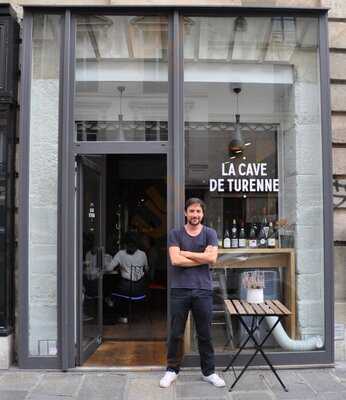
(43, 259)
(337, 65)
(43, 289)
(339, 161)
(309, 287)
(310, 314)
(337, 8)
(338, 97)
(340, 224)
(308, 237)
(337, 34)
(43, 225)
(309, 191)
(308, 160)
(310, 216)
(6, 344)
(309, 261)
(339, 349)
(340, 276)
(307, 105)
(339, 127)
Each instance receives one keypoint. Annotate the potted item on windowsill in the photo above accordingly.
(253, 281)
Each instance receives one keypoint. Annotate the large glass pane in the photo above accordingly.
(253, 153)
(43, 184)
(121, 78)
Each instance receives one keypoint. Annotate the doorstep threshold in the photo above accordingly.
(153, 368)
(145, 368)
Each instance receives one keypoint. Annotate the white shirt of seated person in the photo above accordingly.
(138, 260)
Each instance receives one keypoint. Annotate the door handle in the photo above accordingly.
(101, 258)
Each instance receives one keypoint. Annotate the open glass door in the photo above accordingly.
(90, 256)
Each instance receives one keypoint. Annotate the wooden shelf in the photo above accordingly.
(248, 250)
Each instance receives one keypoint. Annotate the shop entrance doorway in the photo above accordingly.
(121, 259)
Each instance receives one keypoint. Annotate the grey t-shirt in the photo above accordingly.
(198, 277)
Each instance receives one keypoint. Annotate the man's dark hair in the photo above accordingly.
(195, 200)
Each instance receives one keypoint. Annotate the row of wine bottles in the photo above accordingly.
(266, 236)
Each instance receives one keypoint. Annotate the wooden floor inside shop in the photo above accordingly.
(128, 354)
(146, 324)
(140, 342)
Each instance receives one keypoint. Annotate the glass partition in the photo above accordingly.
(121, 78)
(43, 184)
(253, 153)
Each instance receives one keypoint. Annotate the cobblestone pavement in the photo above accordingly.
(307, 384)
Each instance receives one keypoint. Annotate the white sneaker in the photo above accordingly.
(215, 380)
(168, 379)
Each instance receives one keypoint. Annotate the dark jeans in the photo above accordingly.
(128, 288)
(200, 302)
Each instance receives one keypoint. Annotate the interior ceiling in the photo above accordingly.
(265, 39)
(109, 89)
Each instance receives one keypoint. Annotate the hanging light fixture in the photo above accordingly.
(236, 146)
(121, 135)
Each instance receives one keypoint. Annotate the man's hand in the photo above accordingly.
(209, 256)
(178, 260)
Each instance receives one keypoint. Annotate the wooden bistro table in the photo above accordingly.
(258, 312)
(266, 259)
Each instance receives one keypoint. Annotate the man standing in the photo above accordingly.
(191, 249)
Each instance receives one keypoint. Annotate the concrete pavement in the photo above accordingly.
(307, 384)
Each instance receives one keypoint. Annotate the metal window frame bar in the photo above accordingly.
(68, 275)
(174, 149)
(66, 228)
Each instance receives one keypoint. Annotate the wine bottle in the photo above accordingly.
(262, 238)
(226, 240)
(252, 237)
(234, 241)
(242, 239)
(265, 227)
(271, 236)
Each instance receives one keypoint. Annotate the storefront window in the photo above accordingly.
(43, 184)
(121, 78)
(253, 153)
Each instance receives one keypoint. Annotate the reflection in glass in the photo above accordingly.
(43, 184)
(121, 70)
(252, 98)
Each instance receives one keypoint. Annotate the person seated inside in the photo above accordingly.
(132, 264)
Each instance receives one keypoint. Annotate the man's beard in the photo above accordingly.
(194, 221)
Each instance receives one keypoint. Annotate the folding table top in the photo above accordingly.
(268, 307)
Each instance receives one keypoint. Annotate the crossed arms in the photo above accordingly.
(181, 258)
